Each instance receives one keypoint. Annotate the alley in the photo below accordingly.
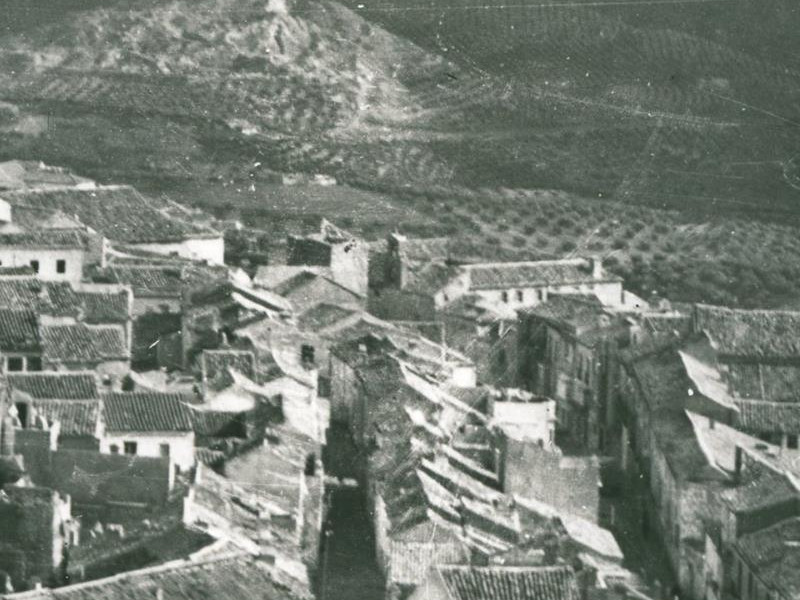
(348, 566)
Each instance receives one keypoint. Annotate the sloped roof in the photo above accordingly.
(55, 385)
(323, 315)
(230, 576)
(761, 488)
(163, 280)
(146, 411)
(213, 423)
(465, 582)
(760, 416)
(59, 298)
(76, 417)
(751, 333)
(80, 343)
(119, 213)
(530, 274)
(774, 555)
(46, 238)
(19, 330)
(105, 307)
(216, 363)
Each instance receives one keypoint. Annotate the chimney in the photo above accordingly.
(596, 264)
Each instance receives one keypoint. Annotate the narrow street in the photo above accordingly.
(348, 566)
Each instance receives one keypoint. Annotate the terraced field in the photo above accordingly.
(642, 115)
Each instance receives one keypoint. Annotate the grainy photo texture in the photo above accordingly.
(399, 300)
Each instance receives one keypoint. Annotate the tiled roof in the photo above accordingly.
(509, 583)
(761, 488)
(76, 417)
(774, 555)
(769, 417)
(56, 385)
(80, 343)
(19, 330)
(214, 423)
(45, 238)
(21, 271)
(529, 274)
(215, 363)
(146, 280)
(751, 333)
(105, 307)
(299, 283)
(231, 576)
(19, 174)
(58, 298)
(431, 277)
(146, 411)
(119, 213)
(322, 316)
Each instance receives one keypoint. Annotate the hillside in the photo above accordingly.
(687, 104)
(425, 112)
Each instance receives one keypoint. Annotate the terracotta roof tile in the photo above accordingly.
(56, 385)
(751, 333)
(80, 343)
(769, 417)
(76, 417)
(774, 554)
(226, 577)
(529, 274)
(146, 411)
(119, 213)
(509, 583)
(46, 238)
(19, 331)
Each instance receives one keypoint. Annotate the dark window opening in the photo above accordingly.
(311, 465)
(35, 266)
(130, 447)
(34, 363)
(15, 363)
(22, 413)
(307, 354)
(114, 449)
(504, 296)
(520, 295)
(791, 441)
(163, 450)
(61, 266)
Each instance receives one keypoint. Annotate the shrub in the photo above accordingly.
(619, 244)
(567, 246)
(518, 241)
(528, 229)
(643, 245)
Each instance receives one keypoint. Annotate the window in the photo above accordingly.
(504, 296)
(540, 294)
(114, 449)
(22, 413)
(35, 266)
(791, 441)
(61, 266)
(307, 353)
(34, 363)
(129, 447)
(520, 295)
(14, 363)
(163, 450)
(311, 465)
